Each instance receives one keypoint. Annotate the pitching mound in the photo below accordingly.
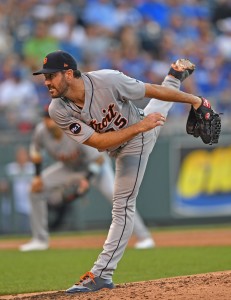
(211, 286)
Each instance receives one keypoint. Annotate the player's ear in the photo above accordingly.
(69, 74)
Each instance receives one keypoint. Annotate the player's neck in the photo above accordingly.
(76, 92)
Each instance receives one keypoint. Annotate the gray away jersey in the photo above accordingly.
(107, 107)
(76, 156)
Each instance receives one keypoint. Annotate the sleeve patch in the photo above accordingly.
(75, 128)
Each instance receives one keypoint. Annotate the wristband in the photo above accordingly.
(89, 175)
(38, 168)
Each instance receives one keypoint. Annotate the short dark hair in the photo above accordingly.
(76, 73)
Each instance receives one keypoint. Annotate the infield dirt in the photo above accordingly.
(210, 286)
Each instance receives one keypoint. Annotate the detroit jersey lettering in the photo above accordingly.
(107, 94)
(111, 115)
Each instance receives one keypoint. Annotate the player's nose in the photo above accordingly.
(47, 81)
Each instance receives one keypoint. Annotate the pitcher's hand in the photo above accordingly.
(151, 121)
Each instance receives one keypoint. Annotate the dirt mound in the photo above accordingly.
(215, 286)
(211, 286)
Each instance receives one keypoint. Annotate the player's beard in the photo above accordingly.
(60, 91)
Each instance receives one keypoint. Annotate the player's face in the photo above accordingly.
(56, 84)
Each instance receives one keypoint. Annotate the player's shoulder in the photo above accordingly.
(104, 75)
(103, 72)
(56, 102)
(56, 107)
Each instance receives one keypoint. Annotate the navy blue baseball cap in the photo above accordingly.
(57, 61)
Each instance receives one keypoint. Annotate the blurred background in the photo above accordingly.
(186, 182)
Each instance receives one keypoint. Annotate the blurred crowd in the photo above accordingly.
(138, 37)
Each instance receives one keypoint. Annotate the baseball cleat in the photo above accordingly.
(90, 283)
(147, 243)
(34, 245)
(181, 69)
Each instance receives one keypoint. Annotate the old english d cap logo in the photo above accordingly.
(57, 61)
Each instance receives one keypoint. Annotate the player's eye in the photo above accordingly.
(50, 76)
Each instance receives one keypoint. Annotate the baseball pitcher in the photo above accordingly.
(96, 109)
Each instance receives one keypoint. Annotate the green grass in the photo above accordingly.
(59, 269)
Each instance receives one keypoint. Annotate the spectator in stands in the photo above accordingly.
(70, 35)
(92, 32)
(18, 176)
(37, 45)
(18, 101)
